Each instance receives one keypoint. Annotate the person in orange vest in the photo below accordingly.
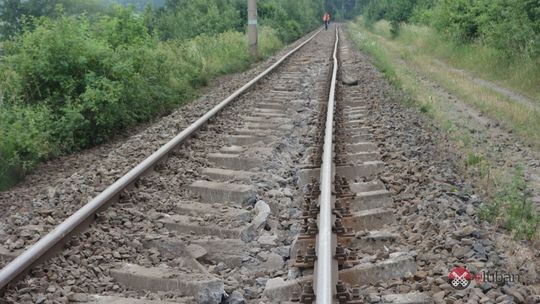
(326, 19)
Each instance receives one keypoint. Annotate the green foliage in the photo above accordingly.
(24, 139)
(283, 19)
(422, 12)
(74, 73)
(269, 42)
(12, 12)
(510, 26)
(9, 17)
(86, 76)
(139, 5)
(519, 73)
(395, 11)
(473, 159)
(343, 9)
(513, 208)
(180, 19)
(185, 19)
(426, 108)
(457, 19)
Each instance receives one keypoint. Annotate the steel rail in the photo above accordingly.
(40, 251)
(324, 272)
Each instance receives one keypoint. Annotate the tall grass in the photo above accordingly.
(512, 208)
(521, 74)
(411, 55)
(381, 60)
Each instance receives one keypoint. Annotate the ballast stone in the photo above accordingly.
(205, 288)
(212, 192)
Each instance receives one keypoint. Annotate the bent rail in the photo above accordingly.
(324, 272)
(42, 250)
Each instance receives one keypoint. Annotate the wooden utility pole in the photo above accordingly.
(253, 36)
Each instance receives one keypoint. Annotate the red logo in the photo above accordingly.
(460, 278)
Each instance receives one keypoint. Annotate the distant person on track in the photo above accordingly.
(326, 19)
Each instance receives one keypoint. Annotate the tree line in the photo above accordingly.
(510, 26)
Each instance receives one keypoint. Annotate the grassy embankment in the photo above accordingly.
(65, 87)
(419, 53)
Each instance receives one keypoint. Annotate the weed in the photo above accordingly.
(473, 159)
(512, 208)
(426, 108)
(465, 140)
(449, 127)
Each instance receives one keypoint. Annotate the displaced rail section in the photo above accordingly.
(349, 231)
(326, 266)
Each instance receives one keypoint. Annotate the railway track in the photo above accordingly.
(276, 195)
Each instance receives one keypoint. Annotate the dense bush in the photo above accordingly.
(24, 140)
(510, 26)
(92, 79)
(397, 12)
(180, 19)
(12, 12)
(184, 19)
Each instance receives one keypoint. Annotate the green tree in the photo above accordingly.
(182, 19)
(511, 26)
(12, 12)
(139, 5)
